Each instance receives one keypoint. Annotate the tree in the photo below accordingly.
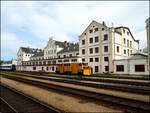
(1, 61)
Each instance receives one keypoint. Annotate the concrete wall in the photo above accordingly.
(129, 66)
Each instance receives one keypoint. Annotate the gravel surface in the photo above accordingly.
(60, 101)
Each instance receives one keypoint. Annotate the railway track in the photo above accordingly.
(113, 86)
(130, 77)
(133, 106)
(136, 82)
(5, 107)
(16, 102)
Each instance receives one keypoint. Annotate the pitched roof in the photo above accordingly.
(103, 24)
(128, 30)
(70, 47)
(28, 50)
(59, 43)
(38, 54)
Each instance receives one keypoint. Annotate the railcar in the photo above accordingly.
(74, 68)
(9, 67)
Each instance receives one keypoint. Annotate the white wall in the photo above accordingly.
(129, 66)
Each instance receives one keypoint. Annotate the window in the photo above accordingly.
(42, 68)
(128, 52)
(83, 59)
(91, 30)
(83, 42)
(64, 56)
(91, 50)
(70, 55)
(96, 49)
(49, 62)
(105, 37)
(103, 29)
(106, 59)
(91, 59)
(105, 48)
(44, 62)
(130, 43)
(124, 41)
(84, 33)
(96, 59)
(106, 68)
(77, 54)
(73, 60)
(118, 49)
(91, 40)
(140, 68)
(96, 39)
(127, 33)
(83, 51)
(53, 68)
(127, 43)
(124, 51)
(34, 68)
(120, 68)
(96, 69)
(124, 31)
(47, 68)
(59, 60)
(96, 29)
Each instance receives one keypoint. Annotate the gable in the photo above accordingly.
(93, 23)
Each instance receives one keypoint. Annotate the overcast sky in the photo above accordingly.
(32, 23)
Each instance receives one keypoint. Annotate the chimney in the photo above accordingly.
(104, 23)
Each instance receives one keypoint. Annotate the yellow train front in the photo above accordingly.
(74, 68)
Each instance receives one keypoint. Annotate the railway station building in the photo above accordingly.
(105, 49)
(100, 45)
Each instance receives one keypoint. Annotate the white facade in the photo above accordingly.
(99, 45)
(24, 54)
(48, 68)
(52, 48)
(148, 40)
(136, 65)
